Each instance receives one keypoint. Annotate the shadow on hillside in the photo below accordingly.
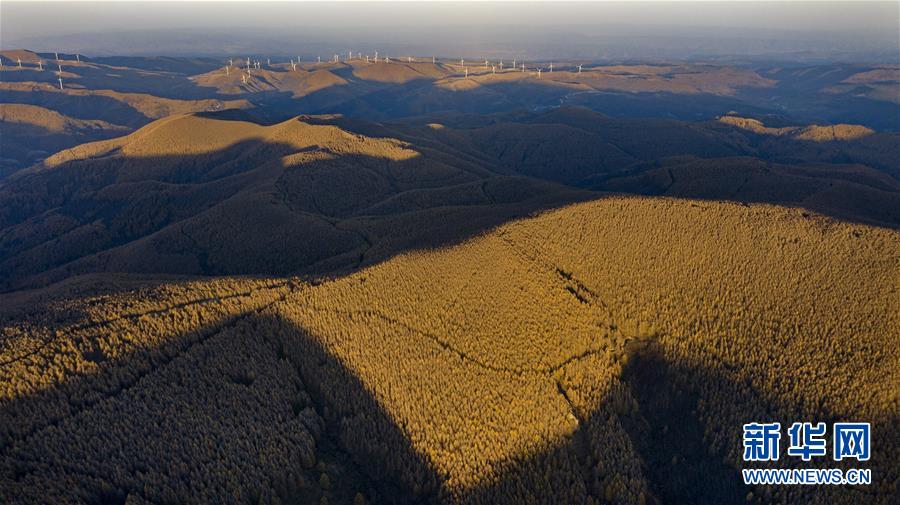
(132, 460)
(255, 207)
(52, 450)
(85, 107)
(682, 458)
(269, 208)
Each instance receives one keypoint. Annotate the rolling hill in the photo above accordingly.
(31, 133)
(351, 282)
(131, 91)
(220, 194)
(589, 354)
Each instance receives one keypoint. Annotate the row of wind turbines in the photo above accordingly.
(40, 66)
(516, 65)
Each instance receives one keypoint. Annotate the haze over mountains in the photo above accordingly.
(788, 32)
(435, 281)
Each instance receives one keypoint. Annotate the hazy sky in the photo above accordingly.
(764, 26)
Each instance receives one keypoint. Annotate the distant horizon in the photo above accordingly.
(832, 31)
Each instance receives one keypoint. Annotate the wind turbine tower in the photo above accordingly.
(40, 65)
(20, 62)
(60, 83)
(78, 57)
(551, 68)
(579, 69)
(539, 73)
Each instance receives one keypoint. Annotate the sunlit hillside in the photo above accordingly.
(274, 272)
(586, 355)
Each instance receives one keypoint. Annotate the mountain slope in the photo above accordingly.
(31, 133)
(576, 356)
(220, 194)
(183, 194)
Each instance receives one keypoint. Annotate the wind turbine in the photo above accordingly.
(493, 69)
(319, 58)
(376, 56)
(60, 67)
(539, 73)
(462, 62)
(501, 65)
(268, 62)
(293, 66)
(485, 64)
(523, 66)
(60, 82)
(20, 62)
(551, 68)
(349, 55)
(40, 65)
(78, 57)
(514, 64)
(579, 69)
(230, 62)
(248, 62)
(57, 57)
